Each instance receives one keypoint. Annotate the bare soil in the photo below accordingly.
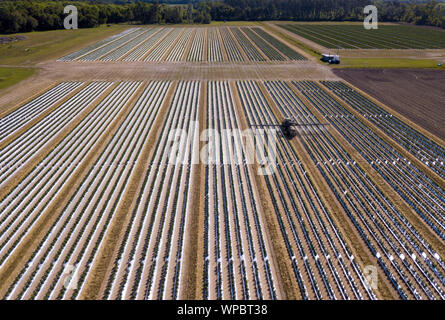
(418, 95)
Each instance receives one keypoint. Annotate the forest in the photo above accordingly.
(38, 15)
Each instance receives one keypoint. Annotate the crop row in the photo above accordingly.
(188, 44)
(177, 51)
(149, 263)
(197, 46)
(77, 54)
(130, 45)
(38, 191)
(283, 48)
(236, 255)
(23, 149)
(323, 265)
(100, 52)
(420, 146)
(411, 265)
(425, 196)
(31, 110)
(163, 46)
(354, 36)
(142, 50)
(252, 53)
(214, 51)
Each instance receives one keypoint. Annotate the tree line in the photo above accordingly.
(41, 15)
(26, 15)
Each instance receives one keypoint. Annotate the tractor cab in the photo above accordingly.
(287, 128)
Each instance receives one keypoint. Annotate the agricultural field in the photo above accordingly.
(168, 175)
(174, 44)
(417, 144)
(416, 94)
(235, 254)
(343, 36)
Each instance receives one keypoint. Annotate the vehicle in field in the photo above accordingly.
(288, 125)
(330, 58)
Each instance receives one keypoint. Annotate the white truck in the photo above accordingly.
(331, 58)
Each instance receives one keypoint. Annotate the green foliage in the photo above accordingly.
(24, 16)
(353, 36)
(11, 76)
(387, 63)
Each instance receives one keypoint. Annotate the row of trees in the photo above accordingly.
(429, 13)
(25, 15)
